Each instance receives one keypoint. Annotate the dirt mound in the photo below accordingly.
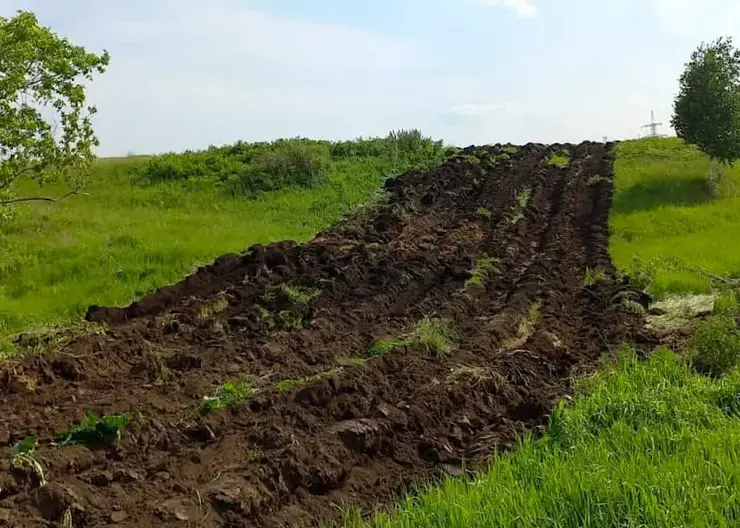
(486, 282)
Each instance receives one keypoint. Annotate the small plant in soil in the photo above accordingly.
(510, 149)
(212, 307)
(534, 315)
(483, 212)
(231, 393)
(484, 268)
(594, 276)
(434, 337)
(561, 161)
(294, 384)
(385, 347)
(522, 200)
(629, 301)
(22, 456)
(93, 430)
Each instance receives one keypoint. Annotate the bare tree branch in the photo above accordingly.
(42, 198)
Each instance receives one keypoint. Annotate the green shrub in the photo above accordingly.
(253, 168)
(715, 346)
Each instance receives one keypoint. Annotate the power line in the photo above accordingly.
(652, 126)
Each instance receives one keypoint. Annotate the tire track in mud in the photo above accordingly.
(364, 432)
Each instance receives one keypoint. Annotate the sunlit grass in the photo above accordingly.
(665, 215)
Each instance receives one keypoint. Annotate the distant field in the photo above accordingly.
(128, 238)
(665, 221)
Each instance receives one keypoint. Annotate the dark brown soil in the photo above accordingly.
(354, 434)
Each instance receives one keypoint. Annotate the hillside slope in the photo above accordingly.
(423, 333)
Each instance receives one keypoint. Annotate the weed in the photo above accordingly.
(726, 303)
(483, 212)
(560, 161)
(534, 315)
(385, 347)
(596, 179)
(523, 197)
(212, 307)
(434, 337)
(594, 276)
(510, 149)
(290, 297)
(629, 301)
(521, 201)
(48, 339)
(231, 393)
(91, 430)
(715, 346)
(351, 361)
(293, 384)
(484, 268)
(22, 455)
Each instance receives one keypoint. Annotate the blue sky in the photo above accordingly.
(187, 74)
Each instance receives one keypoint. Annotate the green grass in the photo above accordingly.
(231, 393)
(665, 222)
(594, 276)
(125, 240)
(483, 269)
(561, 161)
(431, 336)
(645, 443)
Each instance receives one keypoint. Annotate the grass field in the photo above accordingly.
(126, 238)
(665, 222)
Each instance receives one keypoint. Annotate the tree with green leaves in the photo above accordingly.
(707, 107)
(46, 131)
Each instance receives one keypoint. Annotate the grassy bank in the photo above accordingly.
(147, 223)
(666, 226)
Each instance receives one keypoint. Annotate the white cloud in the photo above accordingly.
(523, 8)
(700, 19)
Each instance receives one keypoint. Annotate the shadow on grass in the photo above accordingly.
(656, 193)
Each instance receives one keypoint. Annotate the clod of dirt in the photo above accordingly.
(53, 500)
(118, 516)
(179, 509)
(363, 436)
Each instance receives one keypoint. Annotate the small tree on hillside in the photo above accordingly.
(707, 107)
(45, 127)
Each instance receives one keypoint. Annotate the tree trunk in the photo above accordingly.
(712, 180)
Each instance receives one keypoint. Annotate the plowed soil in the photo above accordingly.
(342, 430)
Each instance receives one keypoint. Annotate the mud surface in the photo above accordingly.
(329, 427)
